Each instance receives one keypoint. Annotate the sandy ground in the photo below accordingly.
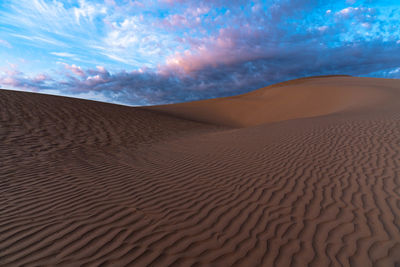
(303, 173)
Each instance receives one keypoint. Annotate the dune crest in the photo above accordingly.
(301, 98)
(303, 173)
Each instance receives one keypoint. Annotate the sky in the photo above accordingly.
(145, 52)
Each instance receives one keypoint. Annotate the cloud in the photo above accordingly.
(5, 43)
(18, 80)
(395, 73)
(36, 40)
(88, 11)
(191, 17)
(229, 46)
(176, 20)
(149, 86)
(164, 51)
(62, 54)
(323, 28)
(358, 13)
(75, 70)
(135, 41)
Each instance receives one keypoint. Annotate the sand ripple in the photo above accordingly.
(86, 183)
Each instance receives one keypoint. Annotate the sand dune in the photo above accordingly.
(303, 173)
(307, 97)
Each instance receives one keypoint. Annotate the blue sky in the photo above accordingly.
(138, 52)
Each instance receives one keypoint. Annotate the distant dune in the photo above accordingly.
(302, 173)
(306, 97)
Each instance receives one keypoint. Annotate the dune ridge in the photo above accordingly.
(301, 98)
(261, 179)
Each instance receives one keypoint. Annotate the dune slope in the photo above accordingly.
(306, 97)
(306, 183)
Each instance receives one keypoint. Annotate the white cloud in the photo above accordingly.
(62, 54)
(51, 22)
(40, 39)
(125, 34)
(136, 41)
(395, 71)
(118, 58)
(88, 11)
(346, 12)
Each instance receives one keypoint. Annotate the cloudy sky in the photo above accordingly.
(141, 52)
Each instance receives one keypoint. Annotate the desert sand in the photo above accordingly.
(301, 173)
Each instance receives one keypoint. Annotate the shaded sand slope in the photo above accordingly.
(306, 97)
(86, 183)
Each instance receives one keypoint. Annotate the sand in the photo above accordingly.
(302, 173)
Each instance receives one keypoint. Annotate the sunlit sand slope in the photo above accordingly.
(306, 97)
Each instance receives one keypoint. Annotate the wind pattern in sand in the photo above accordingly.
(95, 184)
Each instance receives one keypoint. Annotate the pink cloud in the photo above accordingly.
(176, 20)
(75, 69)
(323, 28)
(15, 79)
(9, 81)
(5, 43)
(197, 11)
(41, 77)
(11, 71)
(94, 80)
(188, 18)
(226, 48)
(110, 2)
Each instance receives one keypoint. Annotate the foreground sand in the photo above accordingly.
(304, 173)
